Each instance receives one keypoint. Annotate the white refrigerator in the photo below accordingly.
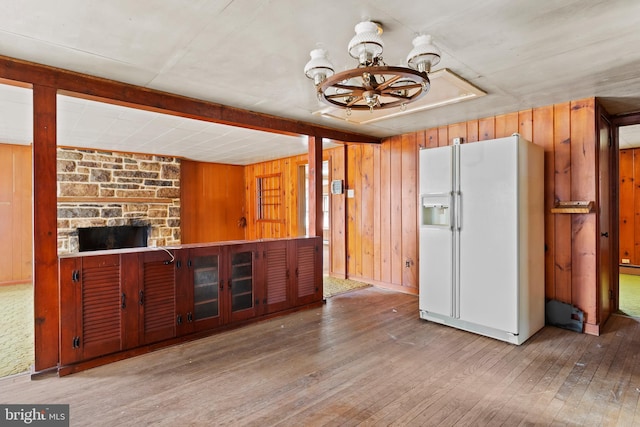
(481, 225)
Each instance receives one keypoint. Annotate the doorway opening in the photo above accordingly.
(17, 350)
(629, 226)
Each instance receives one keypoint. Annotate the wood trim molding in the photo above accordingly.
(104, 90)
(45, 245)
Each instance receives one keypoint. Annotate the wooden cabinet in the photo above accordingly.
(131, 299)
(290, 273)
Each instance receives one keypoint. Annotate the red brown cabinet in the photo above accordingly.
(114, 301)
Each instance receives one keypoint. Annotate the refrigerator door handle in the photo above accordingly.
(458, 210)
(452, 211)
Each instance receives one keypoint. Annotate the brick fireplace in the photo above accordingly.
(100, 189)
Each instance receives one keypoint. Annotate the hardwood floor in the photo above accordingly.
(363, 358)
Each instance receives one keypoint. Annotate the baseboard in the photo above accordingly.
(630, 269)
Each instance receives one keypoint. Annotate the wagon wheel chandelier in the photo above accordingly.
(373, 84)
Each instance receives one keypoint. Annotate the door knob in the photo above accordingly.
(605, 234)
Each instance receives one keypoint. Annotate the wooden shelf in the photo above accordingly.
(573, 207)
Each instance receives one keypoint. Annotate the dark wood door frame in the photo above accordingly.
(617, 122)
(607, 223)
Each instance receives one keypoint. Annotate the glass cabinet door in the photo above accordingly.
(241, 281)
(205, 286)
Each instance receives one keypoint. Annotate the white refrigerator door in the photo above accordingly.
(436, 240)
(489, 233)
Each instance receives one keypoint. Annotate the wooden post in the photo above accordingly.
(45, 245)
(315, 186)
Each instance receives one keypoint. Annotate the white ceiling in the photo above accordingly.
(250, 54)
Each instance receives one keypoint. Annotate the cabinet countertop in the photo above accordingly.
(176, 247)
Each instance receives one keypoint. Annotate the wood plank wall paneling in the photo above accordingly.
(486, 128)
(352, 232)
(566, 132)
(212, 202)
(409, 243)
(629, 206)
(288, 225)
(367, 216)
(384, 249)
(584, 226)
(338, 241)
(396, 210)
(16, 254)
(562, 191)
(542, 129)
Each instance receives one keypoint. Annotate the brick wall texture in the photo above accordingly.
(111, 189)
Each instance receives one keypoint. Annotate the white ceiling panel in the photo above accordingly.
(250, 54)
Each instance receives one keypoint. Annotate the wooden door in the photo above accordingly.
(240, 291)
(275, 275)
(156, 296)
(308, 270)
(70, 309)
(102, 310)
(204, 272)
(606, 260)
(91, 307)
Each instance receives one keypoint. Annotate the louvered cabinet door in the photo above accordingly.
(70, 309)
(101, 306)
(308, 270)
(90, 307)
(275, 268)
(156, 297)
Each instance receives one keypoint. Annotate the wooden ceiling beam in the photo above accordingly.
(105, 90)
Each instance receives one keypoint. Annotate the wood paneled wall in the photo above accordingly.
(212, 202)
(630, 206)
(381, 218)
(16, 250)
(288, 225)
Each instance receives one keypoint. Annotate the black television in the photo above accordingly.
(116, 237)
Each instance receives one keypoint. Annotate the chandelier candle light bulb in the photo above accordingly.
(373, 84)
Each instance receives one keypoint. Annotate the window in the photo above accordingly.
(269, 198)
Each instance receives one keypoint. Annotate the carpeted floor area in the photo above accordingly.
(16, 333)
(630, 295)
(333, 286)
